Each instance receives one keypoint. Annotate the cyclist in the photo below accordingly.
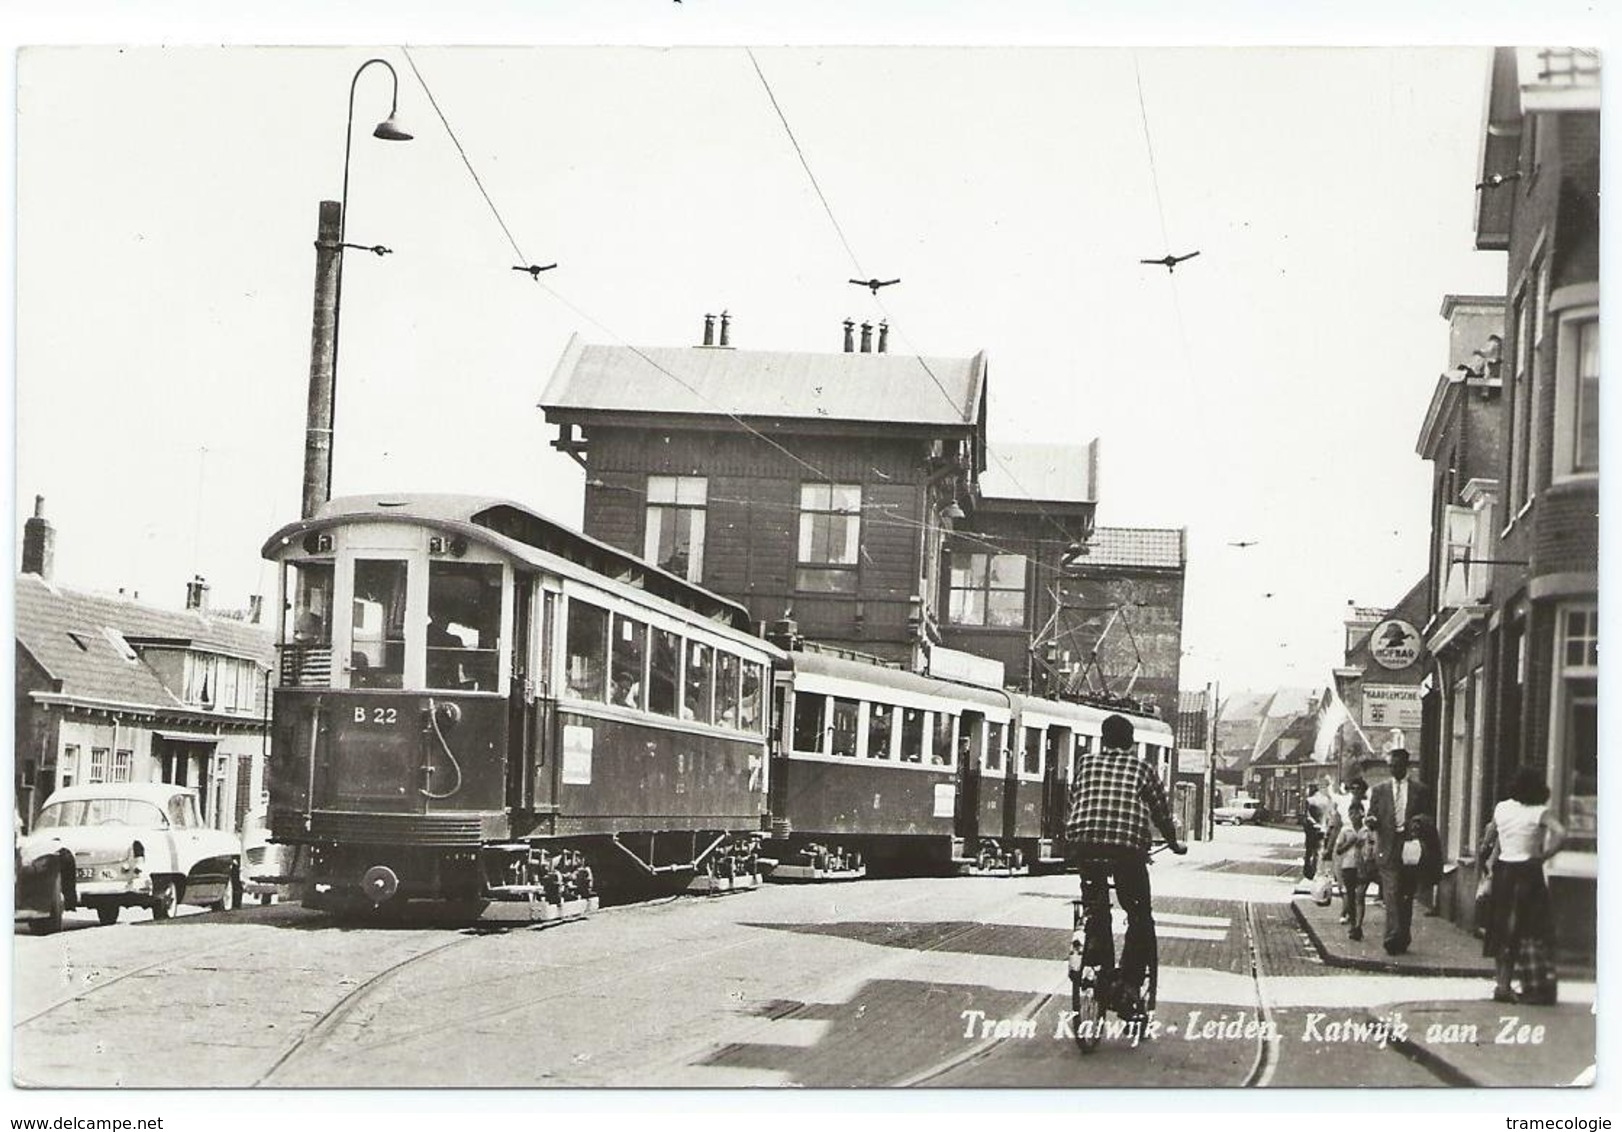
(1112, 801)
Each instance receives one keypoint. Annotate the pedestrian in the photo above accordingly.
(1315, 823)
(1354, 857)
(1522, 835)
(1400, 810)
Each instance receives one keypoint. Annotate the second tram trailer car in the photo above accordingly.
(478, 706)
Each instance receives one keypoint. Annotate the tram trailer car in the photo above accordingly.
(873, 765)
(479, 707)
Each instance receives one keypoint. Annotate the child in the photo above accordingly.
(1354, 852)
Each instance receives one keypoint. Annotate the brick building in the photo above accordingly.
(1540, 204)
(112, 690)
(1461, 439)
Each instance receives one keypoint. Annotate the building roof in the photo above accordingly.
(82, 641)
(1047, 473)
(1154, 547)
(710, 381)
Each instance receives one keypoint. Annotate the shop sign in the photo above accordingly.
(1394, 644)
(1391, 705)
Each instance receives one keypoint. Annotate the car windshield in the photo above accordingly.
(100, 811)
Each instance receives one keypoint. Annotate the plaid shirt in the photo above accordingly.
(1112, 801)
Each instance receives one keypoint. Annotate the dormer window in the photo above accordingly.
(120, 645)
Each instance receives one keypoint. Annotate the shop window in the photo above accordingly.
(1576, 722)
(586, 649)
(464, 626)
(830, 532)
(674, 538)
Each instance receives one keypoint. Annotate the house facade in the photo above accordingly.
(112, 690)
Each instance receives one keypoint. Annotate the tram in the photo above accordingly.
(479, 707)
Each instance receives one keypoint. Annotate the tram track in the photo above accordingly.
(1267, 1042)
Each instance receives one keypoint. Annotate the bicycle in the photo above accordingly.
(1089, 987)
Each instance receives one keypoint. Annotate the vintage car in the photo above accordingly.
(116, 845)
(1240, 811)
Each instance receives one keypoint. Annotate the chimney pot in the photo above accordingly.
(850, 337)
(709, 330)
(867, 337)
(726, 323)
(884, 337)
(197, 594)
(256, 608)
(39, 542)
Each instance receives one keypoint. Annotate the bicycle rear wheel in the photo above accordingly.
(1089, 1011)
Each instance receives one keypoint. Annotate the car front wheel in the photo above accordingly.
(164, 898)
(56, 904)
(232, 900)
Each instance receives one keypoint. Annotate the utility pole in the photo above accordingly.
(323, 344)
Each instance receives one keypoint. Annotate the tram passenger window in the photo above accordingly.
(880, 724)
(699, 684)
(464, 625)
(750, 704)
(1031, 762)
(628, 662)
(377, 635)
(912, 735)
(1084, 746)
(307, 648)
(844, 728)
(940, 751)
(664, 669)
(726, 689)
(992, 759)
(587, 650)
(808, 726)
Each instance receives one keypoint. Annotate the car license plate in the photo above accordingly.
(85, 874)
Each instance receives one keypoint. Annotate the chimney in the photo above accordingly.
(726, 322)
(256, 608)
(197, 594)
(709, 330)
(884, 337)
(850, 339)
(867, 337)
(39, 542)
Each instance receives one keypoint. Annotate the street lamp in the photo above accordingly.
(329, 283)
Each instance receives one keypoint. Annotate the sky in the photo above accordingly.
(1270, 391)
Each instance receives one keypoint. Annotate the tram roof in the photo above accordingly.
(1069, 709)
(878, 675)
(519, 531)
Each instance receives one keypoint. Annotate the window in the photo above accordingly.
(699, 683)
(664, 672)
(1585, 428)
(675, 524)
(726, 689)
(123, 764)
(68, 764)
(1082, 747)
(752, 700)
(586, 651)
(830, 527)
(1581, 637)
(627, 661)
(98, 764)
(1031, 760)
(1574, 742)
(992, 758)
(464, 626)
(912, 735)
(844, 730)
(940, 751)
(307, 648)
(808, 726)
(1577, 377)
(880, 726)
(987, 589)
(377, 640)
(226, 693)
(1520, 401)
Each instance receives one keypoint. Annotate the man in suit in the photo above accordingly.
(1400, 812)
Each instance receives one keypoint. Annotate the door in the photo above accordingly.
(971, 744)
(521, 711)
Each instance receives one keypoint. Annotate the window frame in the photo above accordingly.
(1576, 309)
(985, 589)
(847, 573)
(1572, 685)
(656, 510)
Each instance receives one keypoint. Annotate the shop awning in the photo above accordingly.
(189, 736)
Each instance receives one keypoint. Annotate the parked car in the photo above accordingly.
(117, 845)
(1240, 811)
(268, 874)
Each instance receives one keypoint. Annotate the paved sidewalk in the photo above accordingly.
(1474, 1042)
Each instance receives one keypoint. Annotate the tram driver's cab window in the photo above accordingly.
(307, 648)
(586, 649)
(377, 628)
(464, 625)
